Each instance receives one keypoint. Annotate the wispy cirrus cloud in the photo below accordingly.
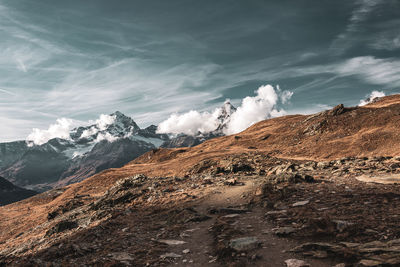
(77, 59)
(370, 69)
(48, 78)
(388, 37)
(359, 16)
(8, 92)
(373, 70)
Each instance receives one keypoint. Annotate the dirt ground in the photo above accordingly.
(331, 209)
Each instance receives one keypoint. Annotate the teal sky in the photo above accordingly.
(78, 59)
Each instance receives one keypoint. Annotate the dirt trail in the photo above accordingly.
(200, 247)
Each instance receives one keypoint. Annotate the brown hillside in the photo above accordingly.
(341, 132)
(368, 131)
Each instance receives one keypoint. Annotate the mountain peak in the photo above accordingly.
(123, 122)
(119, 114)
(110, 127)
(227, 109)
(224, 114)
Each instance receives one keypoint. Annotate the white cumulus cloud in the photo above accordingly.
(252, 109)
(106, 136)
(99, 125)
(60, 129)
(371, 97)
(255, 109)
(104, 121)
(63, 126)
(190, 123)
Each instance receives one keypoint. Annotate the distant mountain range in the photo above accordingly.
(89, 150)
(10, 193)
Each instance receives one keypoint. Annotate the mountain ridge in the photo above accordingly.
(109, 142)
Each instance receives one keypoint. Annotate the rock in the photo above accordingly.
(307, 247)
(198, 218)
(284, 230)
(61, 227)
(394, 166)
(290, 177)
(229, 216)
(275, 212)
(379, 179)
(52, 215)
(301, 203)
(207, 181)
(322, 165)
(171, 255)
(316, 128)
(123, 191)
(283, 169)
(369, 263)
(213, 260)
(227, 211)
(230, 182)
(318, 254)
(280, 206)
(375, 253)
(121, 256)
(241, 167)
(296, 263)
(186, 251)
(171, 242)
(342, 225)
(340, 265)
(339, 109)
(244, 243)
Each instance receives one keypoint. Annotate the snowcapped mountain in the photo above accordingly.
(111, 127)
(110, 142)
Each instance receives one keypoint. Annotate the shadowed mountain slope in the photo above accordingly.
(10, 193)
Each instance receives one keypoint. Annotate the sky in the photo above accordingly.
(148, 59)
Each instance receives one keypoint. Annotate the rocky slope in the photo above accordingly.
(10, 193)
(321, 188)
